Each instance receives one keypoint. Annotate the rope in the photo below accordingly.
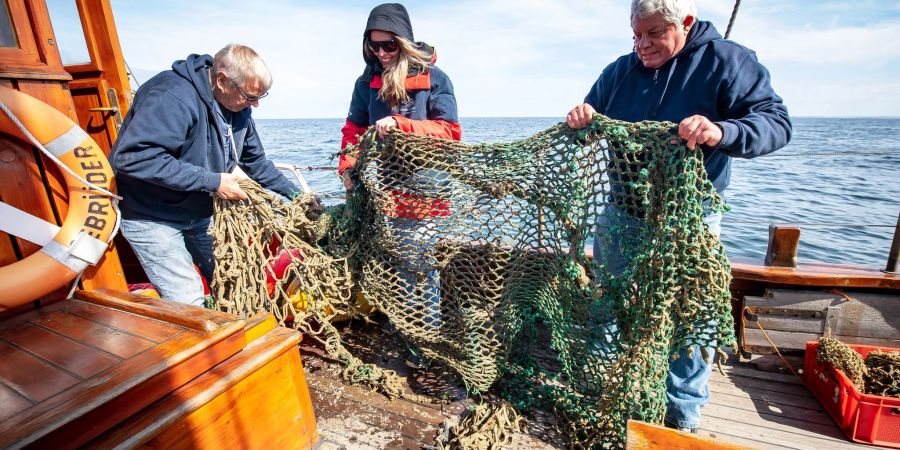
(488, 426)
(841, 357)
(737, 4)
(775, 347)
(131, 72)
(114, 199)
(314, 288)
(883, 373)
(52, 157)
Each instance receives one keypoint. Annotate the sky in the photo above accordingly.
(517, 58)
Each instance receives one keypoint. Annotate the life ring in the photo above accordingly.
(92, 217)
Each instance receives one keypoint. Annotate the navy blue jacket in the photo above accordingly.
(430, 111)
(171, 152)
(432, 99)
(712, 77)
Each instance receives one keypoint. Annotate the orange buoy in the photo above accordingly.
(92, 217)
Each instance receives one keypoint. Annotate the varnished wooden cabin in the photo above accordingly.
(104, 368)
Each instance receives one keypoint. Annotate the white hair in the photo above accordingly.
(673, 11)
(240, 63)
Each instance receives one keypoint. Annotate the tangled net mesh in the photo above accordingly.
(877, 374)
(476, 253)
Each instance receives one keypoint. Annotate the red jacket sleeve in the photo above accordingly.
(436, 128)
(351, 132)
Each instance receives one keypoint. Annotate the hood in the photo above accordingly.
(390, 17)
(701, 34)
(393, 18)
(195, 69)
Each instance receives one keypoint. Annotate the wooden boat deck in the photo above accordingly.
(749, 407)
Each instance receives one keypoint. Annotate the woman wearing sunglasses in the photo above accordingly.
(402, 89)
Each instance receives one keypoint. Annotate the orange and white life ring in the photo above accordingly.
(92, 217)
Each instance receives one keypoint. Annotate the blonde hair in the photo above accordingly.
(240, 63)
(393, 87)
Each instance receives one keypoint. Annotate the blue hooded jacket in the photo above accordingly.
(171, 152)
(712, 77)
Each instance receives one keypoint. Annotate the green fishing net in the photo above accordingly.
(477, 254)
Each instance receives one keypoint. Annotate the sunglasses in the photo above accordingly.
(388, 46)
(247, 98)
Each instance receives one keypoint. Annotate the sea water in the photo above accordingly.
(839, 179)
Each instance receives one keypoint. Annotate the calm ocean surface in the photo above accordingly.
(835, 172)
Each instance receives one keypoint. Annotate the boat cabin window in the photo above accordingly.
(7, 33)
(69, 34)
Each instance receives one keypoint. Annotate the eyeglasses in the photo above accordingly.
(388, 46)
(247, 98)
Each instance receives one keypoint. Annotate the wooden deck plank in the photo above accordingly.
(737, 440)
(396, 425)
(332, 391)
(775, 422)
(93, 334)
(748, 371)
(764, 407)
(762, 384)
(67, 354)
(801, 401)
(328, 426)
(724, 427)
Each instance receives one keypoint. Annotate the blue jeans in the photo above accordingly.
(687, 384)
(421, 283)
(168, 251)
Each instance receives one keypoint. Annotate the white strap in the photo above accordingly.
(85, 249)
(66, 141)
(88, 248)
(23, 225)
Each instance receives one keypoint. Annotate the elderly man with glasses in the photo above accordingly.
(187, 132)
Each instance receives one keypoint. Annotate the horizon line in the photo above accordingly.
(563, 117)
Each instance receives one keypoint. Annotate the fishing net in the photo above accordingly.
(840, 356)
(883, 373)
(476, 253)
(877, 374)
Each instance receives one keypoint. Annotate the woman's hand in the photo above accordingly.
(345, 178)
(383, 126)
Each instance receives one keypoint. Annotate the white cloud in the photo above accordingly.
(516, 58)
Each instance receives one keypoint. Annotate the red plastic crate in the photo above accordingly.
(869, 419)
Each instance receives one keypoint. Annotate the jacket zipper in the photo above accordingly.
(649, 114)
